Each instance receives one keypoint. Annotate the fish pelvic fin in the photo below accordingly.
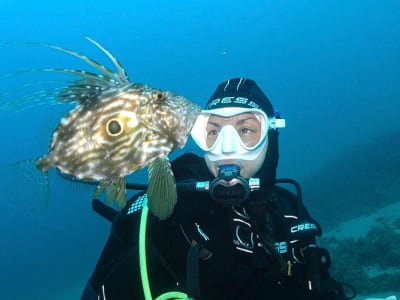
(161, 192)
(114, 190)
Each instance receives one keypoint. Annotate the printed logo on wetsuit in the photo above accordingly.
(303, 227)
(281, 247)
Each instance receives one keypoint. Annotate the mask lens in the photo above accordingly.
(231, 133)
(246, 130)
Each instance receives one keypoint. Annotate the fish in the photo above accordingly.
(116, 128)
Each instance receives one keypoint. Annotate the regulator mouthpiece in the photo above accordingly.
(229, 188)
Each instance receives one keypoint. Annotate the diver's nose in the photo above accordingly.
(228, 144)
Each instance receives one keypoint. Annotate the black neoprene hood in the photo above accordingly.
(240, 92)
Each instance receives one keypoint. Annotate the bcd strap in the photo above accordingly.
(192, 271)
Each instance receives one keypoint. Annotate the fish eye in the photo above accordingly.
(114, 127)
(159, 96)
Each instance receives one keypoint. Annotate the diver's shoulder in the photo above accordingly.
(289, 196)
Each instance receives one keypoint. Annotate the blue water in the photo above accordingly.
(331, 67)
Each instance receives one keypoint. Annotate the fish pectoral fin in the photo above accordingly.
(114, 190)
(161, 191)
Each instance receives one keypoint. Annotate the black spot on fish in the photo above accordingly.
(114, 127)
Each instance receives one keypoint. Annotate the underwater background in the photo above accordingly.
(331, 67)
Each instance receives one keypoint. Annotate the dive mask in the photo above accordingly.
(228, 141)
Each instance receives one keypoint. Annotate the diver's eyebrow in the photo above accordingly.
(238, 122)
(215, 124)
(241, 121)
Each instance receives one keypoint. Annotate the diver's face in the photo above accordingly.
(233, 137)
(246, 125)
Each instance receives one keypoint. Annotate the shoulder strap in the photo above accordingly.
(192, 272)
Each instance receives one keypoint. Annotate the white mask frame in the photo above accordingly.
(228, 144)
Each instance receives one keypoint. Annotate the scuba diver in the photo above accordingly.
(236, 232)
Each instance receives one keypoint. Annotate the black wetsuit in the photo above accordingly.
(231, 262)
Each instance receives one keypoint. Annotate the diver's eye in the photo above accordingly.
(159, 96)
(114, 127)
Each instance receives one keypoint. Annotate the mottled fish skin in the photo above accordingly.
(119, 133)
(117, 128)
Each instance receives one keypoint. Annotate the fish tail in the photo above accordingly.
(25, 187)
(72, 186)
(43, 163)
(161, 191)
